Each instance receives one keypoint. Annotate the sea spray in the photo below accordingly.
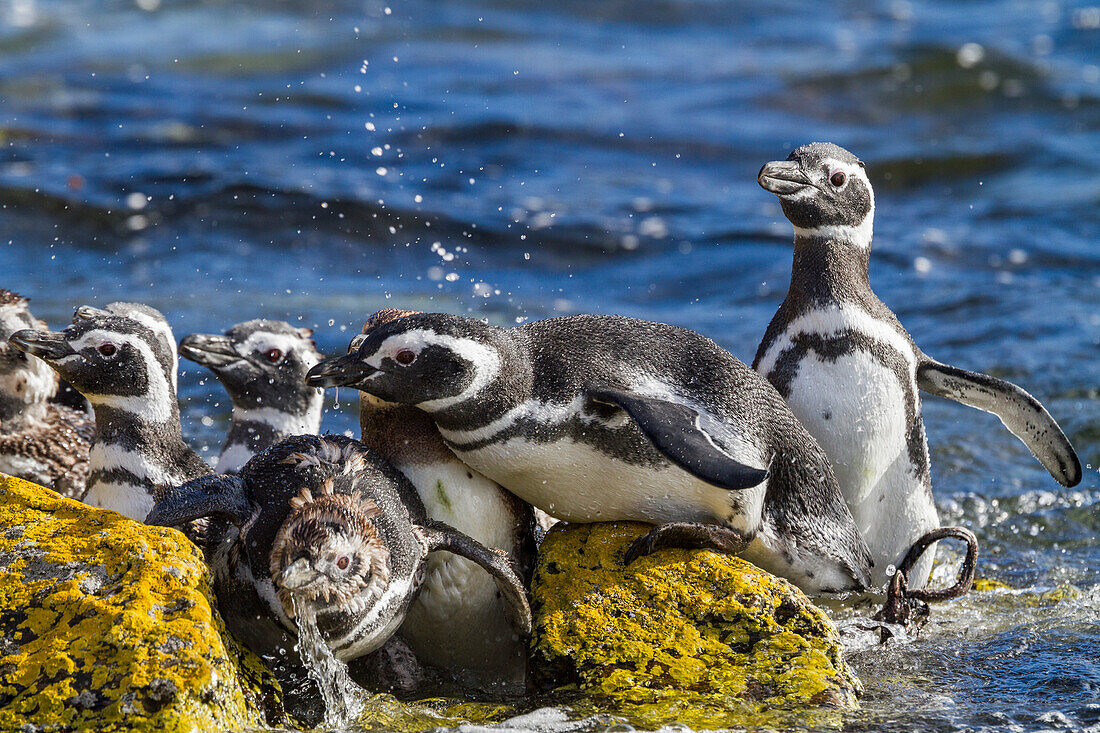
(343, 698)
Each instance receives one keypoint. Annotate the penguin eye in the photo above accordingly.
(405, 357)
(108, 349)
(273, 355)
(343, 562)
(838, 179)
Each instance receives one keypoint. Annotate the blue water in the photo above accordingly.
(518, 160)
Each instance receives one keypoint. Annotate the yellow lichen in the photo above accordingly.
(984, 584)
(683, 636)
(108, 624)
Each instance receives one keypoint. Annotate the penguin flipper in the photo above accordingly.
(440, 536)
(206, 496)
(675, 430)
(1021, 413)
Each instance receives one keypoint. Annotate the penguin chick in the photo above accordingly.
(123, 369)
(459, 623)
(851, 372)
(603, 418)
(40, 441)
(322, 524)
(262, 365)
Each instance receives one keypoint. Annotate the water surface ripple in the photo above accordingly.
(225, 160)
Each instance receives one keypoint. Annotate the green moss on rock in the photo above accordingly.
(694, 637)
(107, 624)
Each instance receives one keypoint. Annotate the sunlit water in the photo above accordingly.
(521, 159)
(343, 699)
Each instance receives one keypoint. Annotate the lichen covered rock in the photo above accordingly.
(108, 624)
(683, 636)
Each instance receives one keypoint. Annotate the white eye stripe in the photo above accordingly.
(158, 401)
(485, 360)
(264, 341)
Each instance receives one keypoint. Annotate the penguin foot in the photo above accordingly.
(907, 607)
(688, 536)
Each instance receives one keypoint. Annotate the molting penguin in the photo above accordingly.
(40, 441)
(325, 526)
(601, 418)
(851, 372)
(459, 623)
(121, 366)
(262, 365)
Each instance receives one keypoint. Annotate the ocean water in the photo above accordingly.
(518, 160)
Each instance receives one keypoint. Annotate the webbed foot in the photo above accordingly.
(688, 536)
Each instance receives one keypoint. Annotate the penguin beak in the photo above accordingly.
(46, 345)
(87, 312)
(783, 177)
(339, 371)
(209, 350)
(298, 576)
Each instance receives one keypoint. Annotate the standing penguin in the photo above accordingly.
(40, 440)
(459, 623)
(124, 370)
(262, 365)
(603, 418)
(851, 372)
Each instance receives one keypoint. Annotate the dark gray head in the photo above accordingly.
(24, 381)
(262, 364)
(432, 360)
(113, 361)
(824, 192)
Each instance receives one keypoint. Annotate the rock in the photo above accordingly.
(694, 637)
(107, 624)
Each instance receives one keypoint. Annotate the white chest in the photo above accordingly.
(578, 483)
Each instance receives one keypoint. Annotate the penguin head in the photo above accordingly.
(146, 315)
(329, 552)
(23, 380)
(824, 192)
(111, 360)
(261, 363)
(432, 360)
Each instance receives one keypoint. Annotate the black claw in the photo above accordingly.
(640, 547)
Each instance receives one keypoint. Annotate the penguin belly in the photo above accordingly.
(576, 482)
(857, 410)
(458, 621)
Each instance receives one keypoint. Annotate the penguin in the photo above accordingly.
(322, 528)
(123, 368)
(601, 418)
(851, 372)
(40, 441)
(262, 365)
(459, 623)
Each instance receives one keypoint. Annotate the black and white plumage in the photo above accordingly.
(40, 441)
(124, 369)
(262, 365)
(851, 372)
(147, 316)
(459, 622)
(323, 521)
(600, 418)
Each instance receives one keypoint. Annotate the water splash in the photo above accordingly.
(344, 700)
